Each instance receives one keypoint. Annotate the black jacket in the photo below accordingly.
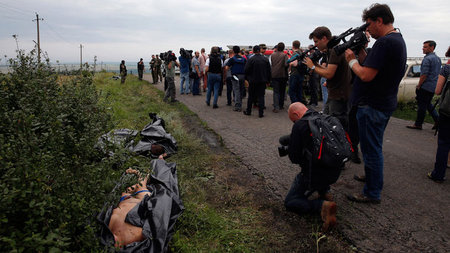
(257, 69)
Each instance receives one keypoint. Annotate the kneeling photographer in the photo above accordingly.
(317, 175)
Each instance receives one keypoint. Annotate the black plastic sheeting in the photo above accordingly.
(153, 133)
(156, 213)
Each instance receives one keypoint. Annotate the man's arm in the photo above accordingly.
(424, 70)
(421, 81)
(296, 143)
(440, 84)
(327, 72)
(197, 71)
(366, 74)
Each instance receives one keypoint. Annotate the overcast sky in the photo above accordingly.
(130, 29)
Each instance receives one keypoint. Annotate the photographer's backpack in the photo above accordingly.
(331, 146)
(444, 102)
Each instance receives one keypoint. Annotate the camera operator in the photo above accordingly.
(170, 62)
(375, 89)
(185, 61)
(337, 73)
(300, 144)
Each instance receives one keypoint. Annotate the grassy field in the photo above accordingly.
(217, 218)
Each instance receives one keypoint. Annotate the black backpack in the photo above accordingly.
(444, 102)
(331, 146)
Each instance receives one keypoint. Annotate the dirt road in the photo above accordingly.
(414, 215)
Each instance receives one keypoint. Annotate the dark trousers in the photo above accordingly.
(338, 108)
(313, 83)
(229, 90)
(295, 88)
(196, 86)
(297, 198)
(256, 92)
(424, 98)
(140, 73)
(279, 92)
(353, 127)
(443, 148)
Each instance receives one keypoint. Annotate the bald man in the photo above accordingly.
(306, 182)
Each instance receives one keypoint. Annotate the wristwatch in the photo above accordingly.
(313, 67)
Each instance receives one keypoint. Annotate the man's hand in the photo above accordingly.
(308, 62)
(349, 55)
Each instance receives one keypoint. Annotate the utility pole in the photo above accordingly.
(38, 39)
(81, 56)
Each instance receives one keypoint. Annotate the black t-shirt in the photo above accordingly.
(388, 56)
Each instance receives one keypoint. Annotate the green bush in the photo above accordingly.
(52, 180)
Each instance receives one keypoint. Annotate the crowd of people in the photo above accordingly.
(359, 88)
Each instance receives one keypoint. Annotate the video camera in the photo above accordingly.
(314, 56)
(186, 53)
(283, 150)
(168, 56)
(356, 42)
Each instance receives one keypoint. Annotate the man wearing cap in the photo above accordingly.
(257, 72)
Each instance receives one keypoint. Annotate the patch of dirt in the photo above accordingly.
(244, 187)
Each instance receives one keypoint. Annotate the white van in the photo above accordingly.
(407, 87)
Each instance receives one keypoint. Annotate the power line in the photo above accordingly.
(58, 34)
(16, 10)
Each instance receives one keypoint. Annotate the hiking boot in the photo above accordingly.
(355, 157)
(328, 214)
(435, 180)
(326, 196)
(215, 106)
(360, 178)
(361, 198)
(414, 127)
(247, 113)
(275, 110)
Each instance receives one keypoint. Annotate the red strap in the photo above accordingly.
(320, 150)
(350, 141)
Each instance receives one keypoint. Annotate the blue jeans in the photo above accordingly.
(195, 86)
(371, 124)
(295, 88)
(324, 92)
(297, 198)
(184, 83)
(443, 148)
(424, 98)
(213, 83)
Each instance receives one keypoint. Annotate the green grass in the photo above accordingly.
(205, 226)
(407, 110)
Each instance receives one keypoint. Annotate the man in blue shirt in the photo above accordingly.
(184, 73)
(375, 89)
(429, 71)
(237, 65)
